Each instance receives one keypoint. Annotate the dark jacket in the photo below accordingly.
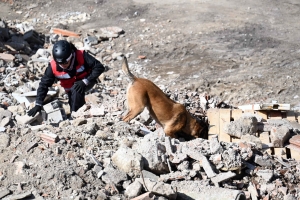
(48, 79)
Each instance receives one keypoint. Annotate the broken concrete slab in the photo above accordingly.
(266, 174)
(159, 188)
(4, 192)
(29, 97)
(189, 190)
(222, 177)
(25, 119)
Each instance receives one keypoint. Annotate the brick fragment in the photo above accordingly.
(65, 32)
(295, 140)
(50, 138)
(7, 57)
(145, 196)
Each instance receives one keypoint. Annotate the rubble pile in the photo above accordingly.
(92, 154)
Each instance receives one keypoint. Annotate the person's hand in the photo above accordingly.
(79, 86)
(34, 110)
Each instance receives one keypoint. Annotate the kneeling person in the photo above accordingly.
(77, 71)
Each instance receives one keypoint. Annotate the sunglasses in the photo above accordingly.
(65, 61)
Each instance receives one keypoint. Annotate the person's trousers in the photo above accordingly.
(76, 99)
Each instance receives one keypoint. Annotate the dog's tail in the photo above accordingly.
(126, 70)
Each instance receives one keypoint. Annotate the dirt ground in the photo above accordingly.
(242, 51)
(238, 51)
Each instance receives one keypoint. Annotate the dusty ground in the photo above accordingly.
(241, 51)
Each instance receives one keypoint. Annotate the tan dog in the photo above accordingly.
(172, 116)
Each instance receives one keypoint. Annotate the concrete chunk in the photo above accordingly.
(112, 175)
(222, 177)
(266, 174)
(134, 189)
(207, 167)
(279, 135)
(159, 188)
(246, 124)
(4, 192)
(128, 160)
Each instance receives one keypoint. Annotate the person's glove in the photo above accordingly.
(34, 110)
(79, 86)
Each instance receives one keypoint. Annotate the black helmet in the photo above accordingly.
(61, 51)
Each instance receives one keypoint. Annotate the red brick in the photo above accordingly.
(295, 140)
(7, 57)
(65, 32)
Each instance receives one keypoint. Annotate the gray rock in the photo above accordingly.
(128, 160)
(112, 175)
(134, 189)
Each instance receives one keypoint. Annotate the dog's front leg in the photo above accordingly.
(130, 115)
(169, 131)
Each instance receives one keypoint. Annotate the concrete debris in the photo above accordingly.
(246, 124)
(92, 154)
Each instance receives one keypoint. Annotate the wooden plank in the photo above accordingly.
(225, 116)
(294, 151)
(275, 114)
(290, 115)
(265, 139)
(234, 139)
(279, 152)
(275, 106)
(236, 114)
(263, 114)
(213, 116)
(211, 135)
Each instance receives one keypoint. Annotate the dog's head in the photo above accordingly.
(201, 129)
